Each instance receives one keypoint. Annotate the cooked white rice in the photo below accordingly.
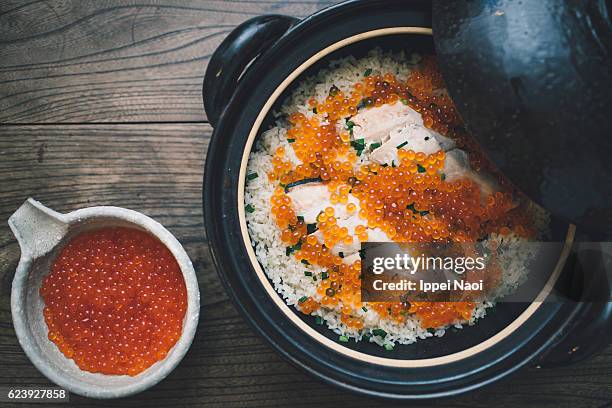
(286, 272)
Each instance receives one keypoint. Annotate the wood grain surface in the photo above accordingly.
(66, 68)
(157, 169)
(115, 60)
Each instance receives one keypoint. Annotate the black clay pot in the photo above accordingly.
(532, 81)
(250, 73)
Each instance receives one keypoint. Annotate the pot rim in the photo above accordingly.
(277, 298)
(223, 242)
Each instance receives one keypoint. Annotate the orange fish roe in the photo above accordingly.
(410, 202)
(114, 301)
(436, 314)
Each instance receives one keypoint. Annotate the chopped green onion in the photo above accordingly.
(388, 347)
(365, 309)
(358, 143)
(324, 275)
(252, 176)
(404, 101)
(402, 145)
(443, 176)
(349, 126)
(314, 110)
(303, 299)
(303, 181)
(423, 213)
(291, 249)
(305, 262)
(310, 228)
(300, 218)
(307, 273)
(421, 169)
(367, 72)
(333, 91)
(249, 208)
(318, 320)
(341, 254)
(291, 140)
(375, 146)
(343, 339)
(379, 332)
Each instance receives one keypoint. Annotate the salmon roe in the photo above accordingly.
(410, 201)
(437, 314)
(115, 301)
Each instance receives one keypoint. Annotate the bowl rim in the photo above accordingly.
(20, 286)
(277, 298)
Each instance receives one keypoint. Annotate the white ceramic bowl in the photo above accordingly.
(41, 233)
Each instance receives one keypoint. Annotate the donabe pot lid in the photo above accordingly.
(532, 82)
(353, 366)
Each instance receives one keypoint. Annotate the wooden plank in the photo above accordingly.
(157, 169)
(117, 60)
(154, 169)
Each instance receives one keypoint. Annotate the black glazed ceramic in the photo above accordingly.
(239, 48)
(533, 82)
(237, 109)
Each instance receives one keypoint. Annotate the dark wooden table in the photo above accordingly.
(101, 104)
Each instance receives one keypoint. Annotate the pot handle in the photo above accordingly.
(235, 54)
(591, 330)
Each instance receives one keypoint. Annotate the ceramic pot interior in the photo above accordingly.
(455, 340)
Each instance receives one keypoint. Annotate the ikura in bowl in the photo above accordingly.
(105, 300)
